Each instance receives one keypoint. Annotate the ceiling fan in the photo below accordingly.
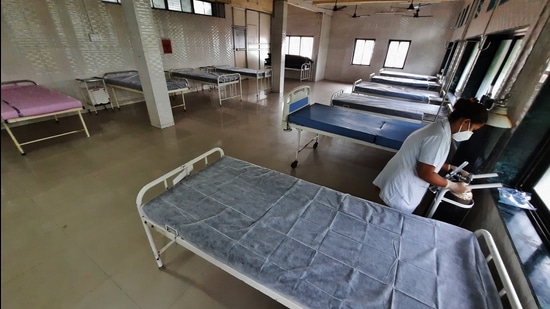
(355, 14)
(416, 14)
(411, 6)
(338, 8)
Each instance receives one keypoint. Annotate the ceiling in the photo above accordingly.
(324, 5)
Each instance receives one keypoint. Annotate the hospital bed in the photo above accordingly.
(262, 77)
(432, 78)
(308, 246)
(389, 106)
(407, 82)
(296, 63)
(24, 100)
(343, 123)
(130, 81)
(413, 94)
(229, 85)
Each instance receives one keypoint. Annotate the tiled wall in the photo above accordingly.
(48, 40)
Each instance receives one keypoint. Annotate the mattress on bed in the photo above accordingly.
(406, 82)
(388, 106)
(131, 80)
(203, 76)
(322, 248)
(33, 100)
(409, 75)
(398, 92)
(357, 125)
(243, 71)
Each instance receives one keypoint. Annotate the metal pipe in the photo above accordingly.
(485, 186)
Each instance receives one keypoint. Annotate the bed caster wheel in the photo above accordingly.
(315, 145)
(162, 267)
(294, 164)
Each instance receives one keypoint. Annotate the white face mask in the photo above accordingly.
(462, 136)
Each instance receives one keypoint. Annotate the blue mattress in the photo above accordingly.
(131, 80)
(346, 122)
(408, 75)
(398, 92)
(322, 248)
(415, 83)
(243, 71)
(203, 76)
(388, 106)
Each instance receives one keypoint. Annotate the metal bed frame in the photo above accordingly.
(226, 90)
(180, 91)
(176, 175)
(426, 118)
(6, 123)
(425, 99)
(263, 81)
(305, 71)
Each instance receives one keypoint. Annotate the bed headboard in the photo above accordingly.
(296, 99)
(336, 94)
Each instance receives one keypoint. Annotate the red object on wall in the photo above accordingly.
(167, 46)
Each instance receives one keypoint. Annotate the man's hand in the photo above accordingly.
(457, 187)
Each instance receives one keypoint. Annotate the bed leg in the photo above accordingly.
(83, 124)
(295, 163)
(316, 142)
(14, 139)
(156, 252)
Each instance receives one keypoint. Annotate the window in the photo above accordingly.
(202, 7)
(299, 45)
(503, 62)
(188, 6)
(397, 53)
(362, 53)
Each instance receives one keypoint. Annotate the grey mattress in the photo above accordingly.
(403, 92)
(389, 106)
(322, 248)
(408, 75)
(131, 80)
(400, 81)
(206, 77)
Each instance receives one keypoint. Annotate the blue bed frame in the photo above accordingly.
(340, 122)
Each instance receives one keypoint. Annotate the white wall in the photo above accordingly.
(48, 41)
(428, 36)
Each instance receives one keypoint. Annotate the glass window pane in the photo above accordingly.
(367, 52)
(294, 45)
(306, 47)
(159, 4)
(207, 6)
(358, 53)
(186, 6)
(467, 68)
(174, 5)
(512, 58)
(392, 54)
(541, 188)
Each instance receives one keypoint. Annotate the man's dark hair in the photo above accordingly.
(470, 109)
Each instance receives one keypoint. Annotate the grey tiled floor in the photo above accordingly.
(71, 235)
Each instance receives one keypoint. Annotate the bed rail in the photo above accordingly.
(178, 174)
(19, 82)
(493, 254)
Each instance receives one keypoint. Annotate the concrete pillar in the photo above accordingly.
(324, 36)
(278, 34)
(146, 48)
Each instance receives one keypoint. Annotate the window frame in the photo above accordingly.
(355, 49)
(288, 37)
(388, 51)
(217, 8)
(528, 178)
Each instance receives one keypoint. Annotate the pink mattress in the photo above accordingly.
(33, 100)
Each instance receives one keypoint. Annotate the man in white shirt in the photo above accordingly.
(405, 178)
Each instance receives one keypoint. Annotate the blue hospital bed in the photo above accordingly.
(348, 124)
